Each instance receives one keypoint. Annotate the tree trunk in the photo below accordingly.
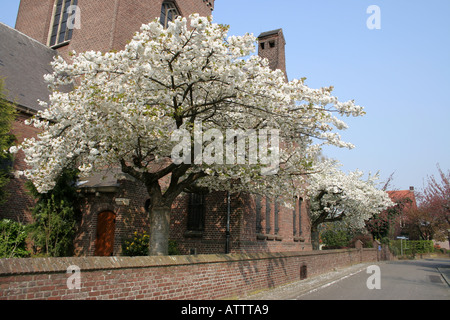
(159, 231)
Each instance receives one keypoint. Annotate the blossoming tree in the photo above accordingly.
(126, 107)
(434, 208)
(337, 196)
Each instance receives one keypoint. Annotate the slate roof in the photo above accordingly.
(269, 33)
(23, 63)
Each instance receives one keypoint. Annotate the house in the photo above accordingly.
(406, 200)
(114, 207)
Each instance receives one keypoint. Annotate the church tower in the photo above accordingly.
(271, 45)
(99, 25)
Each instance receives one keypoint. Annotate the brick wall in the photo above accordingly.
(244, 236)
(277, 232)
(129, 218)
(170, 277)
(34, 18)
(212, 238)
(105, 25)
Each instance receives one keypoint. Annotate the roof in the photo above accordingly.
(402, 195)
(106, 180)
(23, 64)
(270, 33)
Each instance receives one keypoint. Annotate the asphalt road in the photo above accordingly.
(427, 279)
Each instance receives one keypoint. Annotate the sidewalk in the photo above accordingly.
(295, 290)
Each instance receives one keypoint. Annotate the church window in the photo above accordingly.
(268, 211)
(258, 214)
(63, 22)
(300, 201)
(277, 215)
(196, 212)
(169, 12)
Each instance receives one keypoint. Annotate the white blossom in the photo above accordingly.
(347, 197)
(125, 106)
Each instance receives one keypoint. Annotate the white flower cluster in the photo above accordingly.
(125, 106)
(346, 196)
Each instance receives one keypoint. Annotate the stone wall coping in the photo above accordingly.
(23, 266)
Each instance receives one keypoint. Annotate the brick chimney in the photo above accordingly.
(271, 45)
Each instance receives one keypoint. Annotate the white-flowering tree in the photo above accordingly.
(141, 109)
(337, 196)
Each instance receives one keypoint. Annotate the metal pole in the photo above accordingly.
(227, 233)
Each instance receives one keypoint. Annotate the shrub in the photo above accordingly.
(13, 237)
(412, 247)
(335, 239)
(138, 245)
(55, 217)
(54, 227)
(173, 248)
(7, 115)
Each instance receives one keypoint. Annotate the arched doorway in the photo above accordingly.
(106, 225)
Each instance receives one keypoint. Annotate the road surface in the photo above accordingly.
(427, 279)
(400, 280)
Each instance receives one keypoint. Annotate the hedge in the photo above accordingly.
(411, 247)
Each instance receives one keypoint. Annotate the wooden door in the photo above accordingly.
(106, 225)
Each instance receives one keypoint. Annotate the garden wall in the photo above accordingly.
(169, 277)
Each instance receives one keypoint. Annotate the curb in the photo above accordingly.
(445, 273)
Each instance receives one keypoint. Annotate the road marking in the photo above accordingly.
(330, 283)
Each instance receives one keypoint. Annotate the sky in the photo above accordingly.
(399, 73)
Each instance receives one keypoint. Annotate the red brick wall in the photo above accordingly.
(105, 24)
(281, 240)
(212, 239)
(243, 231)
(34, 18)
(129, 218)
(175, 277)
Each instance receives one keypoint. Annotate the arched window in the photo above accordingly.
(169, 12)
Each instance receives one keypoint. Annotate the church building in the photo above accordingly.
(114, 208)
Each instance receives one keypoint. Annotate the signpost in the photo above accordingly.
(401, 243)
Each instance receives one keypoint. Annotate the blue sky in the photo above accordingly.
(399, 73)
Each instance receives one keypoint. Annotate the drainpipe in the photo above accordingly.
(227, 233)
